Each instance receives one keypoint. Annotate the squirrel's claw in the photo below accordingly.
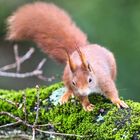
(89, 107)
(119, 103)
(64, 99)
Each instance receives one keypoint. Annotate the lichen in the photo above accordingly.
(106, 121)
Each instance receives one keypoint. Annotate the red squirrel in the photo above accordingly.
(89, 67)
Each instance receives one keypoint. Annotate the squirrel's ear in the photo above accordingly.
(71, 65)
(89, 67)
(70, 62)
(85, 64)
(82, 57)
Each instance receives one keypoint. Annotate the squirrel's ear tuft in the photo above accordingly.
(82, 57)
(89, 67)
(71, 65)
(70, 62)
(85, 64)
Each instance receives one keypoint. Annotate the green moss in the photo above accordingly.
(105, 122)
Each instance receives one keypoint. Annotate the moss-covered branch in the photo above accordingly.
(105, 122)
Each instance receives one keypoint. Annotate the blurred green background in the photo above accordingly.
(114, 24)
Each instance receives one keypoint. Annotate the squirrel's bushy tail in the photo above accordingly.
(47, 25)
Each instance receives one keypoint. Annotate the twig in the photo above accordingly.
(24, 106)
(18, 61)
(35, 72)
(9, 101)
(16, 118)
(21, 60)
(21, 75)
(38, 105)
(41, 77)
(10, 124)
(34, 126)
(37, 112)
(21, 136)
(43, 125)
(40, 65)
(45, 78)
(33, 133)
(17, 58)
(62, 134)
(19, 120)
(39, 130)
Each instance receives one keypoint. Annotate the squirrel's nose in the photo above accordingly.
(83, 92)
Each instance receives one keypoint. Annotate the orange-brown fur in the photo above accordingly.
(91, 68)
(49, 26)
(104, 67)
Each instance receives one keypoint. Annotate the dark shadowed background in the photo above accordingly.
(114, 24)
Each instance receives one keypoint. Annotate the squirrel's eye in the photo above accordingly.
(74, 83)
(89, 80)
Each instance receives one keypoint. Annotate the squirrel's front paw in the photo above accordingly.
(119, 103)
(88, 107)
(64, 99)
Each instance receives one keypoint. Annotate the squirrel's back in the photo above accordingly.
(47, 25)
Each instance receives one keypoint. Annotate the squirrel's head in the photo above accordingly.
(83, 79)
